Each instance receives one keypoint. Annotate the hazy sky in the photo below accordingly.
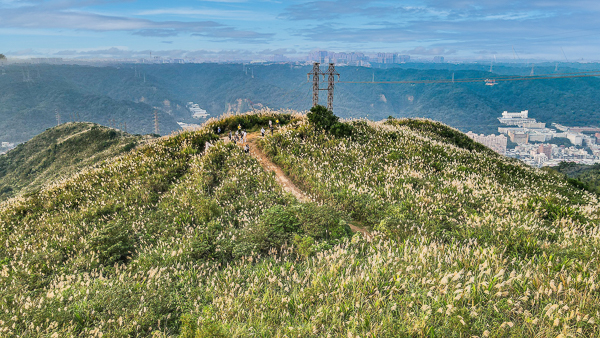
(188, 28)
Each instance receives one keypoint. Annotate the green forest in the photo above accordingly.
(588, 176)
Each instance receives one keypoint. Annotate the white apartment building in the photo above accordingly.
(495, 142)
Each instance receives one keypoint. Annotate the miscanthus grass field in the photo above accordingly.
(172, 239)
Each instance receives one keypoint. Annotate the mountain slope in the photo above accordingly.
(175, 239)
(57, 153)
(29, 107)
(589, 175)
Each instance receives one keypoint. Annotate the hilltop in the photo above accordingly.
(173, 239)
(59, 152)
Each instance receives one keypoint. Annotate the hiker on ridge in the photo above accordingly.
(262, 131)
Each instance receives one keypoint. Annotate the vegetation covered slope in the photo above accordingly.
(28, 103)
(59, 152)
(445, 203)
(130, 247)
(173, 239)
(588, 175)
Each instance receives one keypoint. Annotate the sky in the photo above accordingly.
(257, 29)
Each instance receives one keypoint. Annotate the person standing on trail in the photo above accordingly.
(247, 149)
(245, 136)
(270, 124)
(218, 130)
(277, 121)
(262, 131)
(230, 135)
(239, 126)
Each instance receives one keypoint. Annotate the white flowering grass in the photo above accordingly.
(152, 244)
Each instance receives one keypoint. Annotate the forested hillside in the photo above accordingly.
(589, 175)
(58, 153)
(29, 107)
(172, 239)
(128, 93)
(466, 106)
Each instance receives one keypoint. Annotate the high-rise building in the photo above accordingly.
(545, 149)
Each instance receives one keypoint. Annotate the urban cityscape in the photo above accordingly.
(539, 146)
(339, 58)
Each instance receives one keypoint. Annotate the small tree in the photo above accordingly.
(321, 117)
(2, 57)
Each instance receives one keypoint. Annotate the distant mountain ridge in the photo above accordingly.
(31, 104)
(129, 93)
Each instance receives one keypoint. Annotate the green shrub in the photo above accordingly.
(342, 129)
(304, 245)
(323, 222)
(274, 229)
(113, 243)
(279, 224)
(205, 329)
(322, 118)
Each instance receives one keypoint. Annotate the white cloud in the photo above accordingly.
(209, 13)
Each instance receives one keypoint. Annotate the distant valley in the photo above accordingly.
(34, 97)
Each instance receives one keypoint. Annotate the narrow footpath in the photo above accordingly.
(282, 178)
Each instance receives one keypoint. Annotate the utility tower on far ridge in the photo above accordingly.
(316, 73)
(156, 130)
(57, 114)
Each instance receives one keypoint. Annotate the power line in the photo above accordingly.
(497, 79)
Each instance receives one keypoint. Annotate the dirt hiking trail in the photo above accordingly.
(282, 178)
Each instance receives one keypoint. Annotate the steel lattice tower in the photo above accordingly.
(316, 72)
(331, 82)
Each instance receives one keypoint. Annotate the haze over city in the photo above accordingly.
(240, 30)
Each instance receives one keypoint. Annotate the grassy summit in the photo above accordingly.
(172, 239)
(59, 152)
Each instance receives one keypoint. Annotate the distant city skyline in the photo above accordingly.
(252, 30)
